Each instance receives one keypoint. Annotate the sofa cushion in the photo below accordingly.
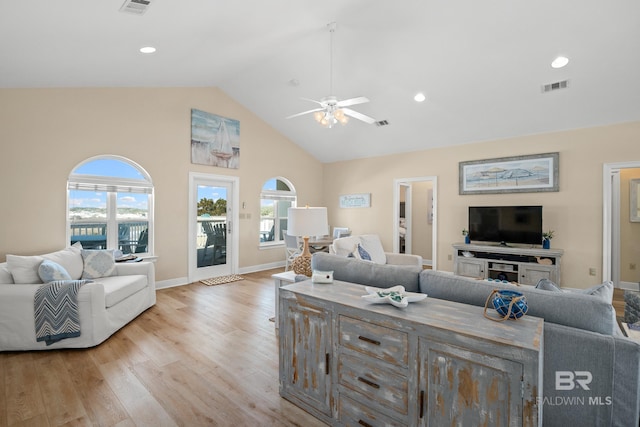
(366, 272)
(564, 308)
(24, 269)
(50, 271)
(604, 291)
(98, 263)
(118, 288)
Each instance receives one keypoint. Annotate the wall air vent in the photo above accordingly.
(382, 123)
(555, 86)
(135, 7)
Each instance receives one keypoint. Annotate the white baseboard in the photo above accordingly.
(631, 286)
(261, 267)
(172, 283)
(180, 281)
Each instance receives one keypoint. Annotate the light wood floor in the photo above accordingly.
(202, 356)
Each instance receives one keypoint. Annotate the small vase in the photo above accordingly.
(467, 239)
(546, 244)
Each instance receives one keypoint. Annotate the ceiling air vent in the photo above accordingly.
(555, 86)
(382, 123)
(135, 7)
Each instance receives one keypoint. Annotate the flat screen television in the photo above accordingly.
(506, 224)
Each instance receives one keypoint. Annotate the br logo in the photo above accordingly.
(569, 380)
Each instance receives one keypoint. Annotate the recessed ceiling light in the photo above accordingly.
(147, 49)
(560, 62)
(420, 97)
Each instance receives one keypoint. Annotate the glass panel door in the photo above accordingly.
(211, 228)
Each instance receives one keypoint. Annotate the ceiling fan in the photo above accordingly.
(331, 110)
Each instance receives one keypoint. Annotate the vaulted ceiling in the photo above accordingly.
(481, 64)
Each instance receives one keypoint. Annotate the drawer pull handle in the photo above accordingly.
(364, 423)
(369, 340)
(367, 382)
(421, 403)
(326, 363)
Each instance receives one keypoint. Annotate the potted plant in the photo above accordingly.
(465, 233)
(546, 239)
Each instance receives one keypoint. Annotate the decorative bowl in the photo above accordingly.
(502, 299)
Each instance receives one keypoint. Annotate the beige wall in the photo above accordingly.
(629, 231)
(45, 133)
(575, 212)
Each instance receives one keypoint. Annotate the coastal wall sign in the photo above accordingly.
(519, 174)
(362, 200)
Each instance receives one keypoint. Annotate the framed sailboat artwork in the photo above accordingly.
(215, 140)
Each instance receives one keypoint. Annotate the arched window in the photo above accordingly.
(110, 205)
(277, 196)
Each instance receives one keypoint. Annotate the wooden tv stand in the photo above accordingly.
(522, 265)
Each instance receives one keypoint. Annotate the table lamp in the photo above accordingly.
(306, 222)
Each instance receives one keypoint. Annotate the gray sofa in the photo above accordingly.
(581, 338)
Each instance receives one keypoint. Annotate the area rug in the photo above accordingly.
(222, 279)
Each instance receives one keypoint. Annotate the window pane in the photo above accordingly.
(109, 167)
(132, 213)
(267, 222)
(88, 218)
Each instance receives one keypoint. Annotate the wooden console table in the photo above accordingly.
(350, 362)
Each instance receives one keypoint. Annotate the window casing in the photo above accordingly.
(110, 206)
(277, 196)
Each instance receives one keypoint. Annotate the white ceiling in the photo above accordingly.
(481, 64)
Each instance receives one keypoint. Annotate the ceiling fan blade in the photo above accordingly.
(353, 101)
(358, 116)
(305, 112)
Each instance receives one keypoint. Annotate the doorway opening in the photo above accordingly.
(414, 218)
(621, 231)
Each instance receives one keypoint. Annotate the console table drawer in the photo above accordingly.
(376, 383)
(354, 413)
(374, 340)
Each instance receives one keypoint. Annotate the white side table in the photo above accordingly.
(282, 279)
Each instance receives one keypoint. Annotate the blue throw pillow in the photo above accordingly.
(50, 271)
(361, 253)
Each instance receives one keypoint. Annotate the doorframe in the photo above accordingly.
(396, 214)
(233, 210)
(408, 208)
(611, 216)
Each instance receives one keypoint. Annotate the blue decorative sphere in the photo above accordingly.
(502, 300)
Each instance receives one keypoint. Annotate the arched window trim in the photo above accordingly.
(113, 185)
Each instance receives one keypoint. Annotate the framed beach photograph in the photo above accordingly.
(215, 140)
(519, 174)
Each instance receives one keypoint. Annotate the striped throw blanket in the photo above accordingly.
(56, 310)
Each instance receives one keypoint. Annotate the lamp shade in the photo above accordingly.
(307, 221)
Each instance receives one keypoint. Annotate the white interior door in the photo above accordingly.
(212, 217)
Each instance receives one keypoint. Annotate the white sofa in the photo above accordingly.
(104, 306)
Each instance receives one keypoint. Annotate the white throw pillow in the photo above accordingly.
(69, 258)
(371, 243)
(344, 245)
(24, 269)
(98, 263)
